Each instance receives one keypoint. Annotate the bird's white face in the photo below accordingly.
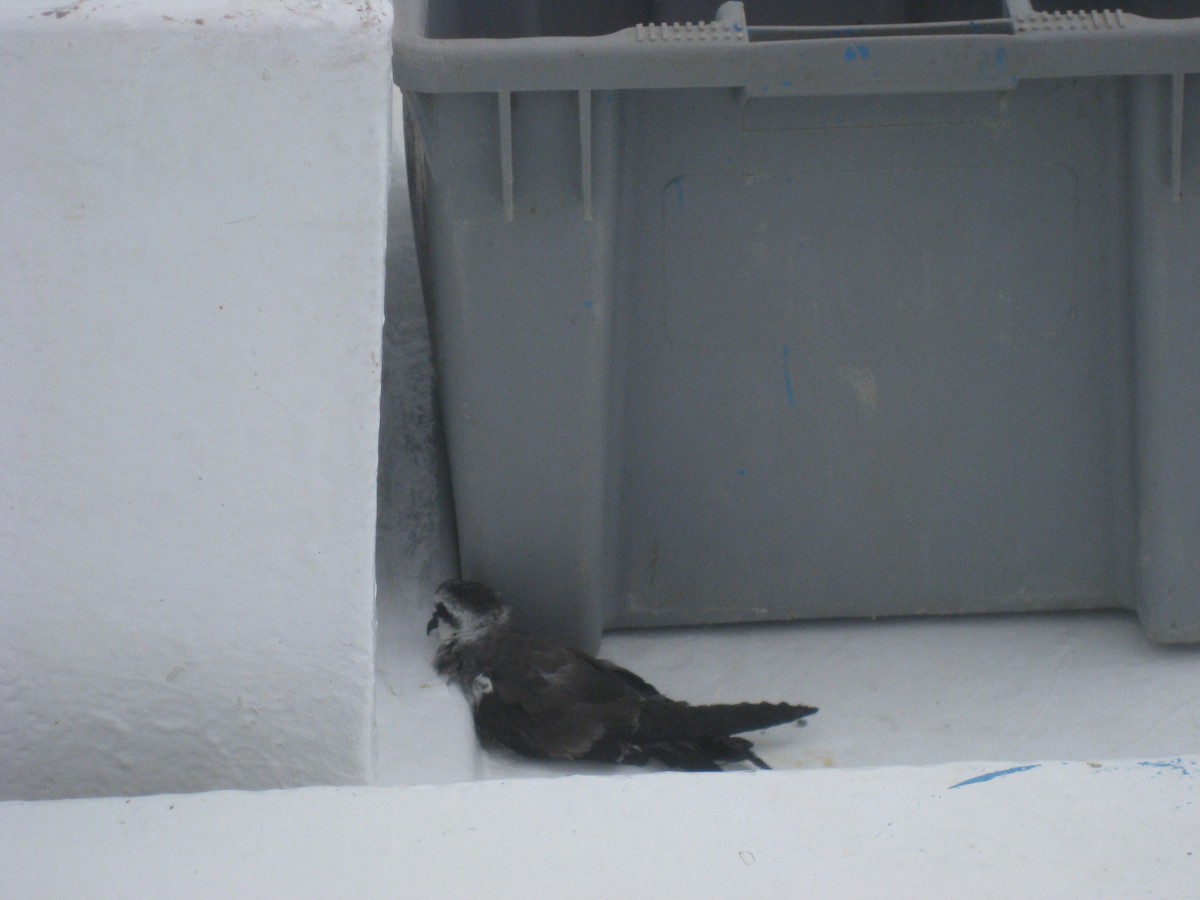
(463, 616)
(444, 628)
(447, 622)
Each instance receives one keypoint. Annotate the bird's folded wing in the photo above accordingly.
(646, 690)
(553, 701)
(535, 672)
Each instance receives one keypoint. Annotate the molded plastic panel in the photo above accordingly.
(890, 315)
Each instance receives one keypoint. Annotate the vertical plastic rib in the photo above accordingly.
(506, 153)
(1177, 136)
(585, 151)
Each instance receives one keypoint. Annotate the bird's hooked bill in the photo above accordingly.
(440, 615)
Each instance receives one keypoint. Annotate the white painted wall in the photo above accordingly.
(192, 220)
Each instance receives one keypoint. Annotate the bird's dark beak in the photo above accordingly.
(433, 624)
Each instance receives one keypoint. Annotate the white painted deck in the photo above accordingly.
(1061, 830)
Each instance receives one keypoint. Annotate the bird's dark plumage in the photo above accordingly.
(548, 701)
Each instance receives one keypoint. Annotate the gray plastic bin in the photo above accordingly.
(814, 309)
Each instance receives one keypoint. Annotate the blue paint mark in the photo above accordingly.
(980, 779)
(610, 97)
(1000, 57)
(678, 183)
(588, 304)
(785, 84)
(736, 26)
(787, 377)
(862, 51)
(1175, 764)
(741, 473)
(849, 55)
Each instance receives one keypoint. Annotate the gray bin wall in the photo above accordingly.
(780, 318)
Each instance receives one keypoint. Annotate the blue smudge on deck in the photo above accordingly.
(1175, 764)
(980, 779)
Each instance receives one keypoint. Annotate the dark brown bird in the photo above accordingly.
(548, 701)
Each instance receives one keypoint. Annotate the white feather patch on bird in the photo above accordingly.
(480, 685)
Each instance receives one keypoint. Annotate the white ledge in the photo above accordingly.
(978, 829)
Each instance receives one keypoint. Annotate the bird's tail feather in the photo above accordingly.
(735, 749)
(703, 754)
(687, 755)
(673, 721)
